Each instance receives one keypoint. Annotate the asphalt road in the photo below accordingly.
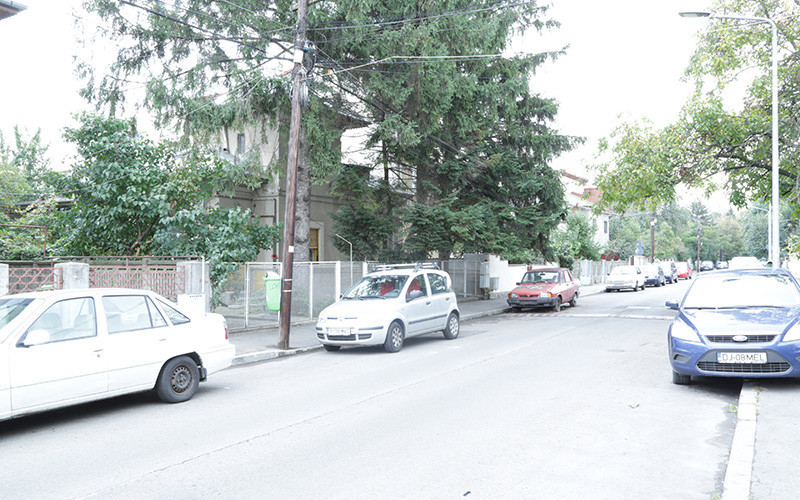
(576, 404)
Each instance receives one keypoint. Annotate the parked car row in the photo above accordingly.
(655, 274)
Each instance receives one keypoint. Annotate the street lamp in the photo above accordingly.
(774, 244)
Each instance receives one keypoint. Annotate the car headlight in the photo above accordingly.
(680, 330)
(546, 295)
(512, 296)
(792, 334)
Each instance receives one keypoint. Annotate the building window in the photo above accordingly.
(605, 227)
(240, 144)
(313, 245)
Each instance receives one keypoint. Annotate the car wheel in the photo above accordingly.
(557, 305)
(680, 378)
(331, 348)
(394, 337)
(574, 301)
(452, 328)
(178, 380)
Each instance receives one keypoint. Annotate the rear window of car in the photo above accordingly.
(175, 316)
(126, 313)
(438, 283)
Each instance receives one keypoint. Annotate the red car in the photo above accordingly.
(550, 287)
(684, 270)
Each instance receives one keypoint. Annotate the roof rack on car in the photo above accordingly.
(416, 267)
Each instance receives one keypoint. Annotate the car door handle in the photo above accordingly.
(428, 303)
(99, 352)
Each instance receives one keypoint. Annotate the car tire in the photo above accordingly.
(574, 301)
(331, 348)
(451, 330)
(178, 380)
(557, 305)
(680, 378)
(395, 337)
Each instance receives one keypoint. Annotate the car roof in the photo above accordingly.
(73, 292)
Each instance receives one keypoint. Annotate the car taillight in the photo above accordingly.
(225, 324)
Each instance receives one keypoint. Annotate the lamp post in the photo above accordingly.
(653, 239)
(774, 245)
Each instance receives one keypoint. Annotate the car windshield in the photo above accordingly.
(377, 287)
(11, 308)
(623, 270)
(540, 277)
(736, 291)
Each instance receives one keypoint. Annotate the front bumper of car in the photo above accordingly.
(532, 302)
(776, 359)
(351, 334)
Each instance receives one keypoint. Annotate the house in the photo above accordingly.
(581, 197)
(268, 201)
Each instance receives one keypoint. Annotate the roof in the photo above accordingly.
(8, 8)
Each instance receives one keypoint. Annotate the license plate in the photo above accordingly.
(742, 357)
(338, 331)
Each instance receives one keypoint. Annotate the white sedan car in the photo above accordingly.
(60, 348)
(389, 305)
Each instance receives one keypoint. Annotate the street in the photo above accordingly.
(536, 404)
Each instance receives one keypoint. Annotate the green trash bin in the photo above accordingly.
(272, 285)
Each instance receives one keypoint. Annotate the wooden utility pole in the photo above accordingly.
(298, 80)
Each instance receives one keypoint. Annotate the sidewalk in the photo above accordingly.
(258, 345)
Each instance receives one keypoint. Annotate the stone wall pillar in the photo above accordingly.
(74, 275)
(196, 280)
(3, 279)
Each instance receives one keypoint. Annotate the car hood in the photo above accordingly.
(359, 308)
(536, 287)
(766, 320)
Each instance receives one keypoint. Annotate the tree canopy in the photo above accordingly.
(715, 144)
(461, 141)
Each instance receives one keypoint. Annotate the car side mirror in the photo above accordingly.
(518, 282)
(414, 294)
(672, 304)
(36, 337)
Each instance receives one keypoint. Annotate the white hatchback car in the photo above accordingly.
(622, 277)
(390, 304)
(60, 348)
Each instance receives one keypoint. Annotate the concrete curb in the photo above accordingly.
(739, 472)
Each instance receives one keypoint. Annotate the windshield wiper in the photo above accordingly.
(362, 297)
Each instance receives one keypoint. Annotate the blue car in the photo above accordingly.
(737, 323)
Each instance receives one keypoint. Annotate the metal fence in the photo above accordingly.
(164, 280)
(32, 279)
(241, 298)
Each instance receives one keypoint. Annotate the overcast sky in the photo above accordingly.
(626, 57)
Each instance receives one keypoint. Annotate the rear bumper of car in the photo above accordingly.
(621, 286)
(218, 358)
(653, 281)
(692, 358)
(533, 302)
